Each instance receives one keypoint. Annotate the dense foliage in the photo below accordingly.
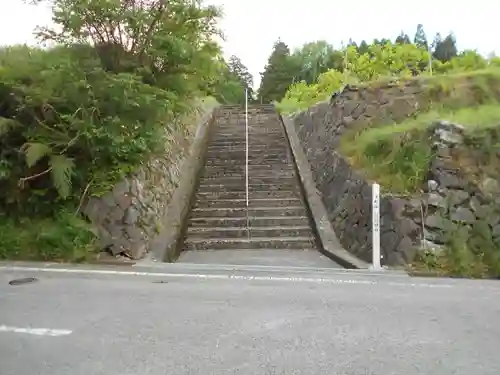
(77, 117)
(313, 72)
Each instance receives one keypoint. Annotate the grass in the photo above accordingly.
(469, 252)
(397, 155)
(65, 237)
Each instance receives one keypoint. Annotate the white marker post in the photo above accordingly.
(376, 227)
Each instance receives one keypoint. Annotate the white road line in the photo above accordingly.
(36, 331)
(219, 276)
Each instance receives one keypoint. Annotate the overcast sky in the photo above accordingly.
(251, 27)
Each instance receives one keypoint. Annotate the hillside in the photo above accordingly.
(432, 144)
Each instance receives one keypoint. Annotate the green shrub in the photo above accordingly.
(66, 122)
(63, 236)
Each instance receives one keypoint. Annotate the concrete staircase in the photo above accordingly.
(276, 218)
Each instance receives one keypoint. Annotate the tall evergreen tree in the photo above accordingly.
(363, 47)
(445, 49)
(420, 38)
(403, 38)
(352, 44)
(278, 74)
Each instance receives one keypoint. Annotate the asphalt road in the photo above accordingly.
(195, 319)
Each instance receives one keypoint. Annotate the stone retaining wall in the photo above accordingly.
(131, 217)
(460, 197)
(407, 223)
(346, 195)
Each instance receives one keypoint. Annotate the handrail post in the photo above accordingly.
(246, 146)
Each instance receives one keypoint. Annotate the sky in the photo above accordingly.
(252, 27)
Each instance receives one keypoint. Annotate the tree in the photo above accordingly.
(363, 47)
(352, 43)
(161, 40)
(420, 39)
(278, 74)
(241, 75)
(403, 39)
(315, 58)
(226, 87)
(445, 49)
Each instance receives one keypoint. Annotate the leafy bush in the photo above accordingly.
(66, 122)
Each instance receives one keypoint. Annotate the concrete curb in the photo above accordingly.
(165, 247)
(330, 244)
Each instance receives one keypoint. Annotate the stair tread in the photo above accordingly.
(250, 228)
(211, 218)
(257, 208)
(251, 239)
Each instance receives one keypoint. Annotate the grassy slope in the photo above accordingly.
(397, 154)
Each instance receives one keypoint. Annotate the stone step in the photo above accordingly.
(251, 175)
(241, 140)
(260, 157)
(239, 134)
(214, 161)
(253, 232)
(210, 195)
(241, 203)
(198, 212)
(238, 127)
(232, 136)
(259, 221)
(241, 143)
(243, 114)
(252, 168)
(264, 108)
(299, 243)
(278, 163)
(228, 164)
(240, 173)
(238, 182)
(214, 187)
(240, 158)
(262, 139)
(252, 149)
